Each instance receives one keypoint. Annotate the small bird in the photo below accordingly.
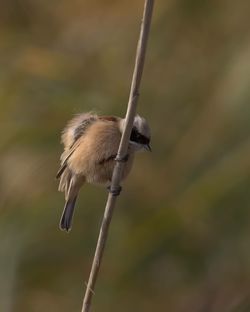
(90, 147)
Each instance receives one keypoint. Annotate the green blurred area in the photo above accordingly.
(179, 240)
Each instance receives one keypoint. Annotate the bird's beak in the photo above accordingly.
(147, 148)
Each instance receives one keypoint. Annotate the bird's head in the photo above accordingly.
(140, 134)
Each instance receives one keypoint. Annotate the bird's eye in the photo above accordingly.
(138, 137)
(134, 135)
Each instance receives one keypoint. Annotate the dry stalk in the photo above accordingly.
(122, 151)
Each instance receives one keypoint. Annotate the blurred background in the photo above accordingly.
(180, 236)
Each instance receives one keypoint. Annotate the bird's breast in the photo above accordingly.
(94, 157)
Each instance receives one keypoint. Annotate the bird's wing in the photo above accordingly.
(75, 129)
(64, 158)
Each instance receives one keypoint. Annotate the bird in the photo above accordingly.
(91, 144)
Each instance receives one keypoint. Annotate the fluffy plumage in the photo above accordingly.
(90, 146)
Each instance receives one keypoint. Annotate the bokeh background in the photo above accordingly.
(180, 237)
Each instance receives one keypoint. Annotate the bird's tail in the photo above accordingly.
(67, 215)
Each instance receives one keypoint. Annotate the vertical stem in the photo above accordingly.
(122, 151)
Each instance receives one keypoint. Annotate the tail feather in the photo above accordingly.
(67, 215)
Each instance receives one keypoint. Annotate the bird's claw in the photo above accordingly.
(122, 159)
(115, 191)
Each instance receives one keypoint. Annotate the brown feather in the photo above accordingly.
(109, 118)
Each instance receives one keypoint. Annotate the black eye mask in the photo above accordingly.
(138, 138)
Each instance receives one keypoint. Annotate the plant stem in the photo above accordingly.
(122, 151)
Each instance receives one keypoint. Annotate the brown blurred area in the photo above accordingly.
(179, 240)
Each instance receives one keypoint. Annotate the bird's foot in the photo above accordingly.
(115, 191)
(122, 159)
